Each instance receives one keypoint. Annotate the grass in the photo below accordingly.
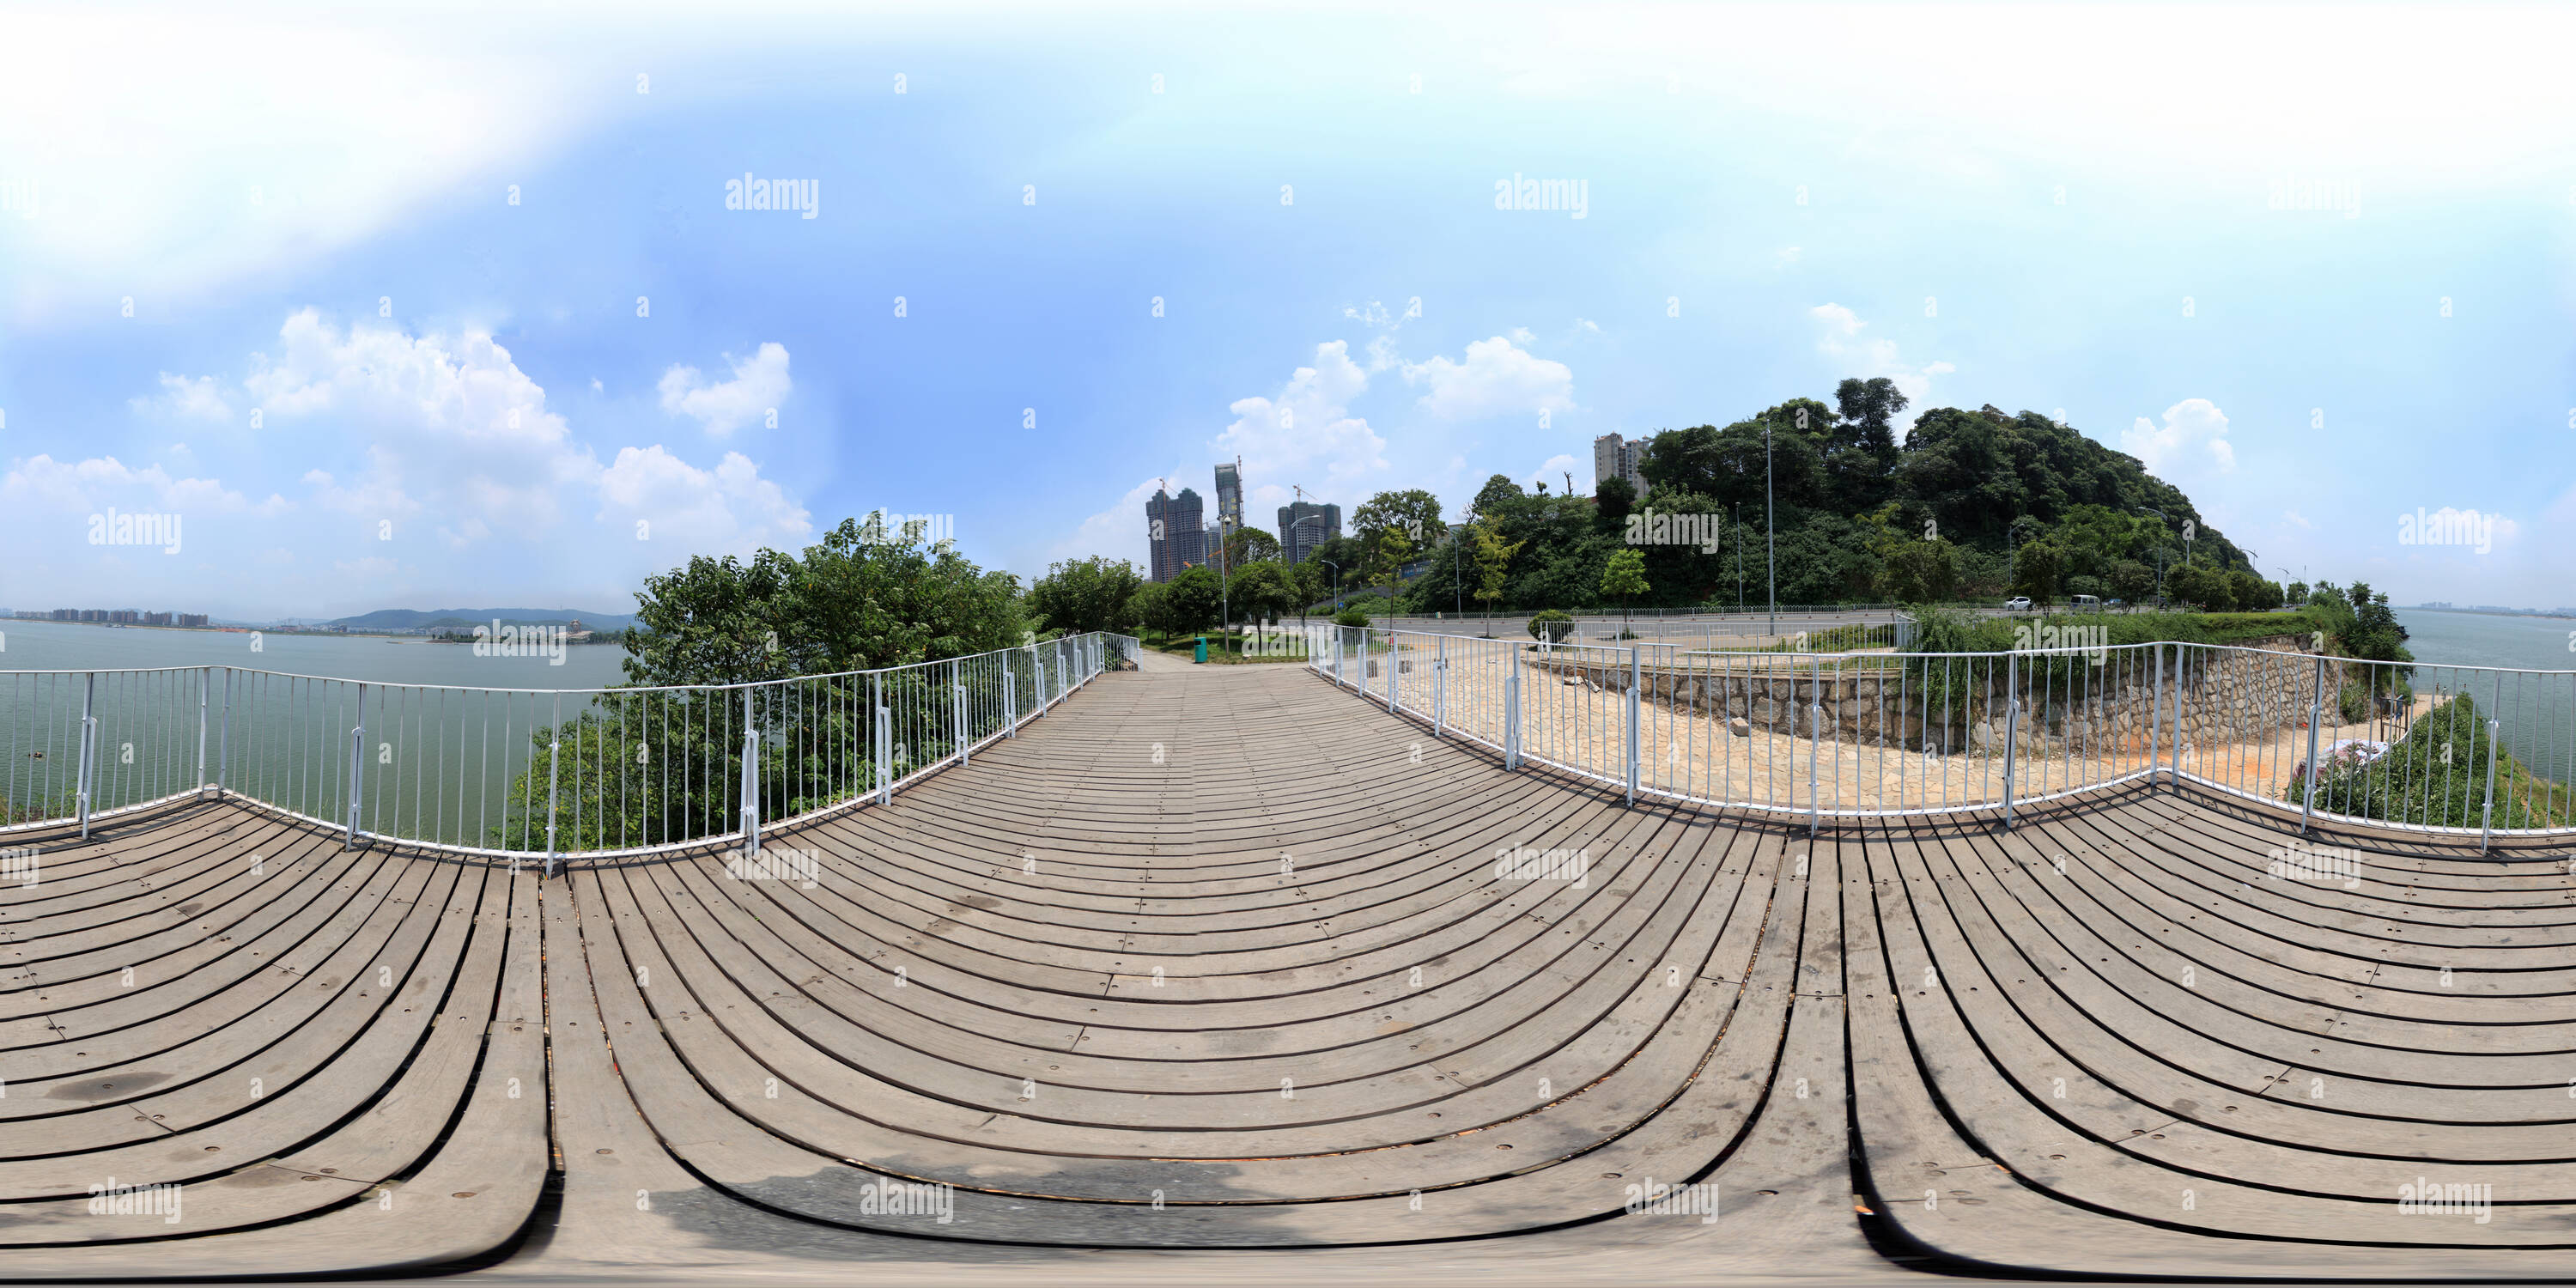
(1218, 652)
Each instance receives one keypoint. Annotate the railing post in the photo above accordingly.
(2486, 818)
(1815, 738)
(2173, 755)
(1512, 714)
(2316, 711)
(205, 681)
(224, 743)
(1440, 688)
(1010, 703)
(885, 733)
(2012, 728)
(1393, 648)
(2156, 718)
(554, 779)
(1634, 675)
(357, 767)
(85, 768)
(750, 781)
(957, 681)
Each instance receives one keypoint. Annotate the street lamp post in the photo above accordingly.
(1457, 587)
(1224, 615)
(1732, 514)
(1770, 543)
(2160, 554)
(1337, 583)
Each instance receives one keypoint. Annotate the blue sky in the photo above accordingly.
(2222, 238)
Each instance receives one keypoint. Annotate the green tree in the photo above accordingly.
(1860, 450)
(1727, 465)
(1389, 548)
(1311, 581)
(2201, 585)
(2373, 632)
(1152, 607)
(2252, 594)
(1249, 545)
(2037, 565)
(1191, 601)
(1615, 497)
(2133, 581)
(1922, 572)
(1499, 496)
(1263, 591)
(1493, 557)
(1413, 511)
(862, 598)
(1624, 579)
(1086, 595)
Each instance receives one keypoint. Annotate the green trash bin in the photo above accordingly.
(1202, 648)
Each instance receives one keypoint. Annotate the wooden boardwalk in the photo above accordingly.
(1213, 962)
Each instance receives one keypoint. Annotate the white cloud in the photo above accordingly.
(43, 484)
(1307, 426)
(1586, 326)
(1522, 335)
(760, 383)
(1839, 338)
(168, 158)
(453, 428)
(185, 399)
(1785, 257)
(1553, 472)
(2296, 519)
(484, 487)
(1497, 378)
(459, 444)
(727, 508)
(1119, 531)
(2192, 440)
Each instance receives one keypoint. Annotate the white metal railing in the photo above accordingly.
(2420, 746)
(519, 773)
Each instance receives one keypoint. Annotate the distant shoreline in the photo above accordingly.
(595, 637)
(2493, 612)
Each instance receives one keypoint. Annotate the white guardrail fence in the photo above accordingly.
(516, 773)
(2419, 746)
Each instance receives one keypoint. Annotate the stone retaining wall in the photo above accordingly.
(2226, 696)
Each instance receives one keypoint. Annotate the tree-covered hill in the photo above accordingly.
(1970, 504)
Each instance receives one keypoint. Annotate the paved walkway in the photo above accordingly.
(1224, 958)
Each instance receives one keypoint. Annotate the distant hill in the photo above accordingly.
(404, 619)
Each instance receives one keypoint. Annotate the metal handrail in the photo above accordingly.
(785, 752)
(1988, 732)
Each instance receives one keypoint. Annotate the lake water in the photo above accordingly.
(439, 761)
(2486, 639)
(2538, 710)
(69, 646)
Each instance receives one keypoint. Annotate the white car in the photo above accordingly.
(2017, 604)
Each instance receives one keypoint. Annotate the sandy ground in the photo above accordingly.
(1584, 727)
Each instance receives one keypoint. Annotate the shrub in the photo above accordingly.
(2435, 776)
(1351, 617)
(1552, 625)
